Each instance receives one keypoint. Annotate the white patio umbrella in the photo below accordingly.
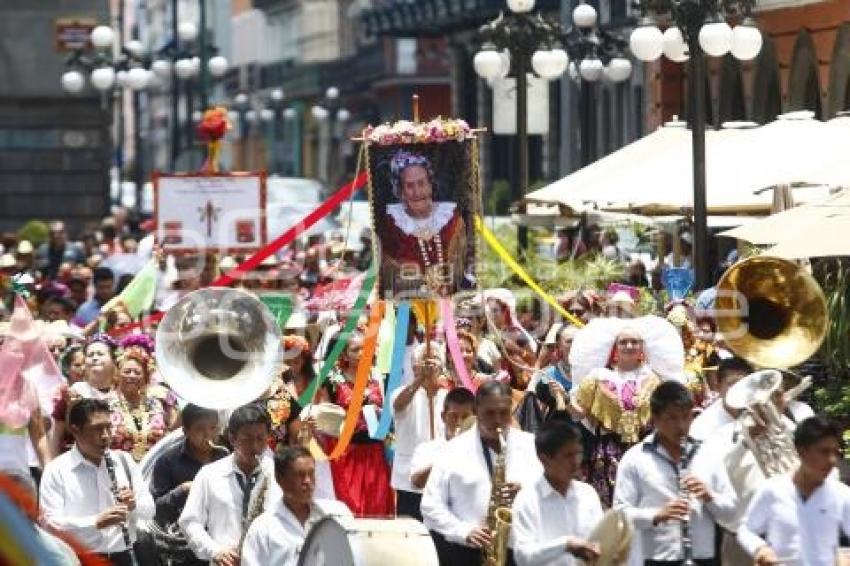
(654, 174)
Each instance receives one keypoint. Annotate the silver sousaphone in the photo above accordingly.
(218, 348)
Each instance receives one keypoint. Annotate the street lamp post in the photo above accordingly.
(109, 74)
(524, 41)
(272, 115)
(697, 28)
(187, 57)
(331, 115)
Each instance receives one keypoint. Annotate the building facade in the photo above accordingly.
(55, 150)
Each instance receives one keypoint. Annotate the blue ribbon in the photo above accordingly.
(396, 368)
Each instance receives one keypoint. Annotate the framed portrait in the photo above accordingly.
(424, 197)
(223, 212)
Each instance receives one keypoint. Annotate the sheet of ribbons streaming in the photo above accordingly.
(387, 329)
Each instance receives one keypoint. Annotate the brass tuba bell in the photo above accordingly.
(218, 348)
(770, 312)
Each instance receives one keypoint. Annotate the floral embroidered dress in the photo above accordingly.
(283, 409)
(617, 406)
(136, 430)
(414, 247)
(361, 476)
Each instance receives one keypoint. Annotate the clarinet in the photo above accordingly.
(684, 462)
(125, 530)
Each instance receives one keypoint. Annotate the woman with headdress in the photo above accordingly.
(281, 397)
(72, 362)
(423, 241)
(99, 383)
(138, 419)
(517, 346)
(361, 476)
(468, 344)
(616, 364)
(299, 372)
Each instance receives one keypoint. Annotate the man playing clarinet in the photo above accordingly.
(82, 496)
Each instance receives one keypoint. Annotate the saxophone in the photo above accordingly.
(255, 507)
(498, 511)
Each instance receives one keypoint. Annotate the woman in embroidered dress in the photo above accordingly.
(138, 419)
(99, 383)
(518, 348)
(616, 365)
(361, 476)
(423, 241)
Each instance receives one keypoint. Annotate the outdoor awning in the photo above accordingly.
(653, 175)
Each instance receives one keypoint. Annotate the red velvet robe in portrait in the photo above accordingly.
(409, 247)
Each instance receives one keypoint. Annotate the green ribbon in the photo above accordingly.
(350, 324)
(279, 305)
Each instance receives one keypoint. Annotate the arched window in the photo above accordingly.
(767, 91)
(839, 73)
(804, 84)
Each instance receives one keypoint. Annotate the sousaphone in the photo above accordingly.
(218, 348)
(770, 312)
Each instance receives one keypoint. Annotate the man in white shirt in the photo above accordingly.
(77, 492)
(456, 497)
(276, 536)
(416, 407)
(729, 372)
(458, 406)
(795, 518)
(227, 491)
(657, 495)
(552, 519)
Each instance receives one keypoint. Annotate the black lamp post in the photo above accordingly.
(697, 28)
(524, 41)
(333, 115)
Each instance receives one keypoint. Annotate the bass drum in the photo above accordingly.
(342, 541)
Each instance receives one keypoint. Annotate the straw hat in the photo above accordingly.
(25, 248)
(329, 417)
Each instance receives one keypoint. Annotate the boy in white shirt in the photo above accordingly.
(795, 519)
(552, 519)
(276, 536)
(458, 406)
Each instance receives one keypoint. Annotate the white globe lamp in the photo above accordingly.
(217, 66)
(183, 68)
(618, 69)
(716, 39)
(520, 6)
(277, 95)
(290, 114)
(266, 115)
(103, 78)
(135, 47)
(137, 78)
(746, 40)
(187, 31)
(488, 64)
(73, 82)
(674, 46)
(121, 78)
(646, 42)
(343, 115)
(591, 69)
(332, 93)
(161, 67)
(584, 16)
(102, 37)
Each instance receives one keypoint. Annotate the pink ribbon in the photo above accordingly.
(448, 315)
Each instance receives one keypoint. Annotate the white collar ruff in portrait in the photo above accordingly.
(424, 228)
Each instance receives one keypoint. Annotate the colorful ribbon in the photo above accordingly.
(506, 257)
(350, 324)
(361, 380)
(269, 249)
(386, 337)
(448, 315)
(396, 368)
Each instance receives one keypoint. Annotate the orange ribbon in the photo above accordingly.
(361, 380)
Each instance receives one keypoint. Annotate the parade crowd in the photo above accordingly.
(562, 423)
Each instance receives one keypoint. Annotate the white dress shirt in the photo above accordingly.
(413, 427)
(458, 490)
(543, 520)
(276, 537)
(712, 419)
(647, 479)
(426, 454)
(212, 517)
(74, 492)
(802, 533)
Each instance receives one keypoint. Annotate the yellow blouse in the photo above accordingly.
(606, 406)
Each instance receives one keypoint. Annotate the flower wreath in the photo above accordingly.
(438, 130)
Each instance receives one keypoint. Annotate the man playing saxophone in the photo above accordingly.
(459, 489)
(226, 495)
(673, 513)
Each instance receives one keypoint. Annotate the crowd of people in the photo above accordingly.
(563, 423)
